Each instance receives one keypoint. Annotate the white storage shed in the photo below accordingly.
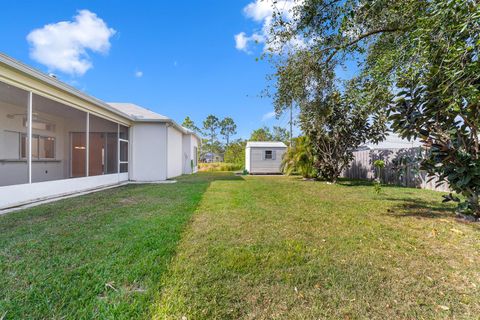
(264, 157)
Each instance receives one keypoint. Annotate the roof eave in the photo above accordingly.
(17, 65)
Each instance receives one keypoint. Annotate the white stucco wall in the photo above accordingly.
(195, 144)
(148, 152)
(190, 142)
(26, 193)
(175, 153)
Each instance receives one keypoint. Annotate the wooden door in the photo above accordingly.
(79, 152)
(96, 154)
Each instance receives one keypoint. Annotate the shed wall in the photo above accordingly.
(260, 165)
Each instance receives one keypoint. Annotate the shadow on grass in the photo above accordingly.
(418, 208)
(127, 236)
(366, 183)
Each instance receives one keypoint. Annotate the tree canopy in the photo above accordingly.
(418, 61)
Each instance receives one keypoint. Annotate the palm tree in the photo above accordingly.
(299, 159)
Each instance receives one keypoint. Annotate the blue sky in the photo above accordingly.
(185, 51)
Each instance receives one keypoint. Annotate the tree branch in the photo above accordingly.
(370, 33)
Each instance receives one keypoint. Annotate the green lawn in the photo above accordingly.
(218, 246)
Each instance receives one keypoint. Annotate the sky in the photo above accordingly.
(177, 58)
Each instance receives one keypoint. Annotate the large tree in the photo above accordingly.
(280, 134)
(261, 134)
(227, 129)
(189, 124)
(210, 126)
(425, 54)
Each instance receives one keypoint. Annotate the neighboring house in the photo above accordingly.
(264, 157)
(56, 140)
(210, 157)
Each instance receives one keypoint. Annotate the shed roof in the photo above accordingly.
(266, 144)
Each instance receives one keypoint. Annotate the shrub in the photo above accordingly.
(219, 166)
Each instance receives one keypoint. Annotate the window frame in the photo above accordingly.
(36, 137)
(265, 152)
(120, 140)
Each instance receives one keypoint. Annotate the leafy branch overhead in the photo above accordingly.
(418, 63)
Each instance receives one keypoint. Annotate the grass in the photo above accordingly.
(281, 248)
(96, 256)
(219, 246)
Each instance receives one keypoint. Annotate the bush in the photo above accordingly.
(219, 166)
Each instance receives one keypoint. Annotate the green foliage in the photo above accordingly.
(379, 164)
(210, 126)
(219, 166)
(418, 59)
(440, 100)
(280, 134)
(377, 184)
(276, 134)
(227, 129)
(261, 134)
(299, 159)
(235, 152)
(336, 124)
(189, 124)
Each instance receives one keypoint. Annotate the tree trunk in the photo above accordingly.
(473, 201)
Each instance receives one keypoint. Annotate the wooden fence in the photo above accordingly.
(401, 168)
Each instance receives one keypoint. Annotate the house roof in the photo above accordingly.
(136, 112)
(141, 114)
(266, 144)
(53, 81)
(128, 111)
(393, 141)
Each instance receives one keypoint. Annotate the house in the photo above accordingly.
(210, 157)
(56, 140)
(264, 157)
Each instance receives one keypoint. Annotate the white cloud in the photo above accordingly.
(138, 74)
(242, 41)
(64, 45)
(261, 11)
(268, 116)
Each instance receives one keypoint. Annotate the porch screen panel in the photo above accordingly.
(103, 152)
(59, 141)
(13, 131)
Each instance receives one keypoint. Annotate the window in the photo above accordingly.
(42, 147)
(268, 154)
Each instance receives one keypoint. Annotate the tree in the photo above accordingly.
(227, 129)
(439, 100)
(261, 134)
(300, 159)
(211, 125)
(337, 124)
(421, 57)
(281, 134)
(189, 124)
(235, 152)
